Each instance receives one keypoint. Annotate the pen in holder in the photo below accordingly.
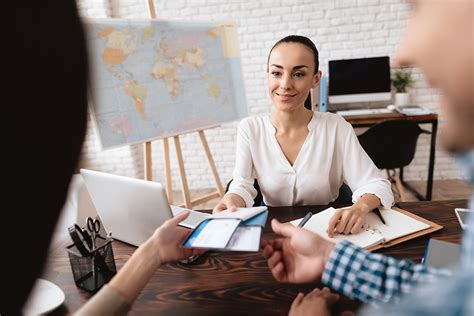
(92, 263)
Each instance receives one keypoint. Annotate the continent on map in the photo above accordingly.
(119, 46)
(138, 95)
(213, 90)
(167, 73)
(120, 125)
(148, 33)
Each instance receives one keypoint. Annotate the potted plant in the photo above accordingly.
(401, 81)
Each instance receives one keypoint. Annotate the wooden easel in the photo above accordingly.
(187, 202)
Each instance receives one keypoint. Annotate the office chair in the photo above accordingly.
(344, 197)
(258, 200)
(391, 145)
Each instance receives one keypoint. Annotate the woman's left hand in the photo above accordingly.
(347, 220)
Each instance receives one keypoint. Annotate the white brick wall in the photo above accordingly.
(340, 29)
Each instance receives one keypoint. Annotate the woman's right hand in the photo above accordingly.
(230, 201)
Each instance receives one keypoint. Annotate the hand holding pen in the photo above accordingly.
(377, 212)
(305, 219)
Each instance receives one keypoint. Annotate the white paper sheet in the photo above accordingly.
(216, 233)
(245, 238)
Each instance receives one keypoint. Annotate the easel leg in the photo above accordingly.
(169, 182)
(147, 160)
(182, 173)
(210, 160)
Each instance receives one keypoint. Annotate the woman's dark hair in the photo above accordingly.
(301, 40)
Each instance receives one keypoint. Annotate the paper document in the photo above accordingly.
(242, 213)
(213, 234)
(245, 238)
(229, 234)
(195, 218)
(413, 110)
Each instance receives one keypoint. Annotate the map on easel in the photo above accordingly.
(154, 79)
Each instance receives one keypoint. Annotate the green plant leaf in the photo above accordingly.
(402, 80)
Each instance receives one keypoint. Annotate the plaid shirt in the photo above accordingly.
(378, 279)
(372, 277)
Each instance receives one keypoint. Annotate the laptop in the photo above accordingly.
(132, 209)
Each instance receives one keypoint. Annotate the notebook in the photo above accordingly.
(400, 226)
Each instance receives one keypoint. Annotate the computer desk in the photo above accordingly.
(372, 119)
(225, 283)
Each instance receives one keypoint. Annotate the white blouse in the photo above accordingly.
(330, 156)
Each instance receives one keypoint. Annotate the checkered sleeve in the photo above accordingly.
(372, 277)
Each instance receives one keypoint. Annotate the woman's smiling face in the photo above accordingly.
(291, 75)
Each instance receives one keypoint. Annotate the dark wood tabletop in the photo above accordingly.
(224, 283)
(371, 119)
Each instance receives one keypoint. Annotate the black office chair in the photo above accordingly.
(344, 197)
(258, 200)
(391, 145)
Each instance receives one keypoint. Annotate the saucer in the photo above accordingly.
(44, 297)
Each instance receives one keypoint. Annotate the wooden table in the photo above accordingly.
(239, 283)
(372, 119)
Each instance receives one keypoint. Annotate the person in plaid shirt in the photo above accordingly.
(438, 39)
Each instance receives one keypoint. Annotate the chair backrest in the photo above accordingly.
(391, 144)
(258, 201)
(345, 195)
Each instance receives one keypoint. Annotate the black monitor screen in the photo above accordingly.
(363, 75)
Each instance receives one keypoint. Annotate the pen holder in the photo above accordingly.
(93, 271)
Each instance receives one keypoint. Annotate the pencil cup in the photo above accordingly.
(91, 272)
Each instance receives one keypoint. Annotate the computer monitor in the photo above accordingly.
(359, 80)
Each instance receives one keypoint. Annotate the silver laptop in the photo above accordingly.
(131, 208)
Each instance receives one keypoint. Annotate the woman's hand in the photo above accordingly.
(230, 201)
(349, 220)
(167, 240)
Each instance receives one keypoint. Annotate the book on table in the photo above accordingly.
(400, 226)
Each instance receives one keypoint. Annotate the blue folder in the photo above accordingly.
(258, 220)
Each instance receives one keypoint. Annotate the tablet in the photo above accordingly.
(463, 214)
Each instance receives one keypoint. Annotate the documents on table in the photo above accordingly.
(230, 233)
(413, 110)
(245, 238)
(195, 218)
(214, 234)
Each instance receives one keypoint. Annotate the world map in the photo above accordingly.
(153, 79)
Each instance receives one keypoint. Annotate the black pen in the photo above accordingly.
(305, 219)
(377, 212)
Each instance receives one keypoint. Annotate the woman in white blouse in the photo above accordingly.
(301, 157)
